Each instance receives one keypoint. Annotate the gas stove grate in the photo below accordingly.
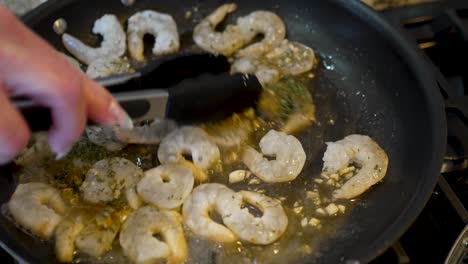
(441, 30)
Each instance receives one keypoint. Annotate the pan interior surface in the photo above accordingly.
(365, 84)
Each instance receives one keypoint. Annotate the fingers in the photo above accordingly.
(68, 114)
(102, 107)
(14, 132)
(29, 66)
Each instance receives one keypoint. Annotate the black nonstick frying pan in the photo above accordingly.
(370, 81)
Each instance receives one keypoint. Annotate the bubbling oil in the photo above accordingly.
(299, 240)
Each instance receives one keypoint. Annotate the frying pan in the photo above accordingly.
(370, 81)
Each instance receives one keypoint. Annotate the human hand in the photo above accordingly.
(32, 68)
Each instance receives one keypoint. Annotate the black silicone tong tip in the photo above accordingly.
(170, 70)
(210, 98)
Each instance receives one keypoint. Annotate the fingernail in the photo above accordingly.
(60, 154)
(121, 117)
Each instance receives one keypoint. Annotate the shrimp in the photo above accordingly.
(99, 231)
(37, 207)
(107, 66)
(366, 153)
(138, 240)
(233, 131)
(162, 26)
(264, 73)
(107, 178)
(292, 58)
(225, 43)
(262, 22)
(261, 230)
(166, 186)
(65, 236)
(189, 140)
(113, 43)
(289, 104)
(104, 137)
(289, 154)
(286, 59)
(37, 153)
(71, 60)
(146, 134)
(196, 211)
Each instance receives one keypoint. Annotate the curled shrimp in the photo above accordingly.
(71, 60)
(225, 43)
(37, 207)
(262, 22)
(113, 44)
(65, 236)
(288, 58)
(141, 246)
(145, 134)
(366, 153)
(100, 228)
(104, 137)
(189, 140)
(166, 186)
(162, 26)
(289, 157)
(196, 211)
(261, 230)
(107, 66)
(232, 131)
(106, 180)
(291, 58)
(289, 104)
(265, 74)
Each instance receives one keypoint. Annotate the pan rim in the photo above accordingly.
(423, 73)
(420, 69)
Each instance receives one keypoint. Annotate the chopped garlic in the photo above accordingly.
(238, 176)
(254, 181)
(296, 204)
(282, 198)
(346, 170)
(304, 222)
(320, 211)
(314, 222)
(342, 208)
(312, 195)
(348, 176)
(325, 176)
(318, 181)
(335, 176)
(331, 182)
(261, 191)
(307, 249)
(332, 209)
(298, 210)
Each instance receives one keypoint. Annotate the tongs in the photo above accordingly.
(188, 89)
